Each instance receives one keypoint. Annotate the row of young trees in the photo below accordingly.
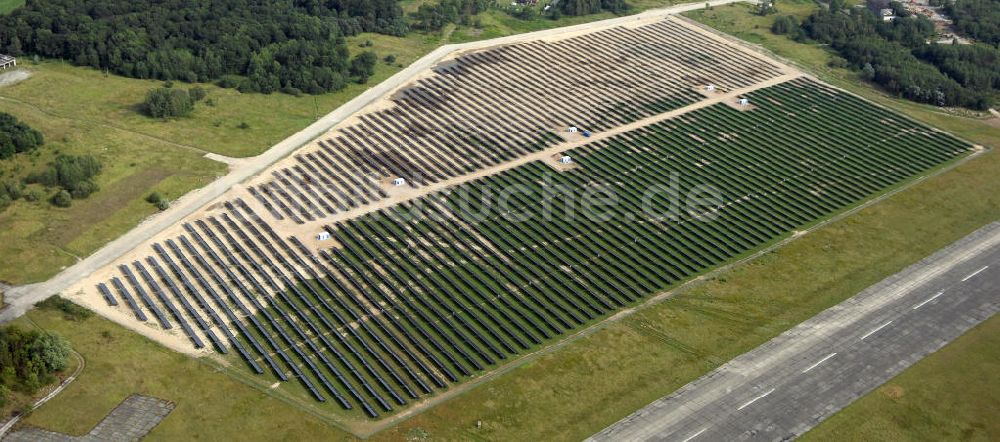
(897, 55)
(272, 44)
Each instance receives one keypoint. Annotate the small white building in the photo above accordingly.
(566, 159)
(323, 236)
(572, 129)
(710, 88)
(886, 14)
(399, 181)
(6, 61)
(744, 101)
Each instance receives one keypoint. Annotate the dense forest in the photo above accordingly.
(897, 55)
(17, 137)
(292, 46)
(979, 19)
(434, 16)
(275, 44)
(28, 359)
(584, 7)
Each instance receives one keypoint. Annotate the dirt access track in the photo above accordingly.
(22, 298)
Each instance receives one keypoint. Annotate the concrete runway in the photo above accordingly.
(787, 386)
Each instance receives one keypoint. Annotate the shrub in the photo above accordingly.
(291, 91)
(163, 205)
(167, 102)
(83, 189)
(197, 93)
(72, 173)
(11, 189)
(154, 198)
(71, 310)
(17, 137)
(363, 66)
(229, 81)
(389, 59)
(62, 198)
(32, 195)
(29, 359)
(785, 24)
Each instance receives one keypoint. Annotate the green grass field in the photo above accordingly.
(39, 239)
(89, 96)
(589, 382)
(9, 5)
(949, 395)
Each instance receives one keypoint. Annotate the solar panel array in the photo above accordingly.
(404, 308)
(492, 106)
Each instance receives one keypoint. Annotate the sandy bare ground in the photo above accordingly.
(14, 76)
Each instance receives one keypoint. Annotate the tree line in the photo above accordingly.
(272, 44)
(434, 16)
(897, 56)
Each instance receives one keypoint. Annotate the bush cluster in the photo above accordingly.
(72, 174)
(157, 200)
(17, 137)
(169, 102)
(28, 359)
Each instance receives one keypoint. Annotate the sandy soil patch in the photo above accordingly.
(15, 76)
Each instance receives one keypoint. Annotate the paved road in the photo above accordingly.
(787, 386)
(20, 299)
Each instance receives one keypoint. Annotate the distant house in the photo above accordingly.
(882, 9)
(6, 61)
